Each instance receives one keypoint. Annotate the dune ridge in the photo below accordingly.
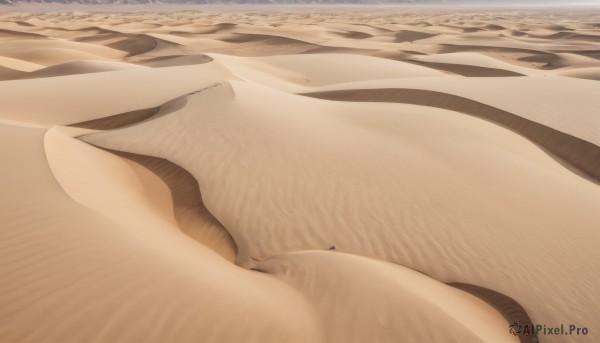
(511, 310)
(118, 120)
(189, 210)
(302, 224)
(469, 70)
(577, 152)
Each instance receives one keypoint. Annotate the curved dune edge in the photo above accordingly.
(582, 155)
(176, 60)
(264, 44)
(19, 65)
(77, 68)
(123, 272)
(475, 59)
(247, 145)
(118, 120)
(140, 44)
(113, 179)
(193, 217)
(385, 302)
(467, 70)
(4, 33)
(412, 36)
(122, 120)
(10, 74)
(511, 310)
(583, 73)
(112, 92)
(397, 303)
(272, 40)
(547, 60)
(300, 72)
(186, 206)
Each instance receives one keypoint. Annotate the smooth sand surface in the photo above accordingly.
(308, 176)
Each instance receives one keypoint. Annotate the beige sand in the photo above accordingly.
(315, 176)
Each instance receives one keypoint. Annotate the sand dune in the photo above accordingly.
(19, 65)
(429, 302)
(468, 70)
(50, 52)
(4, 34)
(304, 138)
(176, 60)
(192, 216)
(354, 34)
(511, 310)
(296, 72)
(139, 44)
(411, 36)
(74, 68)
(138, 89)
(118, 120)
(564, 104)
(471, 59)
(72, 238)
(8, 74)
(592, 73)
(298, 176)
(578, 153)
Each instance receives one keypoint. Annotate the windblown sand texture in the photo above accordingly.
(330, 176)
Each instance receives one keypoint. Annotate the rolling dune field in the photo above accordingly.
(299, 176)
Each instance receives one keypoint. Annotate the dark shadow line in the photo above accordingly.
(192, 216)
(575, 152)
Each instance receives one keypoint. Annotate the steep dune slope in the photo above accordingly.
(93, 256)
(307, 174)
(75, 102)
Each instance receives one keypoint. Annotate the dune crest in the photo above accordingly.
(577, 153)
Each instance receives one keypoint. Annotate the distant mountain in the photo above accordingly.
(99, 2)
(13, 2)
(222, 1)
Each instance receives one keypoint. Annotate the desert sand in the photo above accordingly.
(298, 176)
